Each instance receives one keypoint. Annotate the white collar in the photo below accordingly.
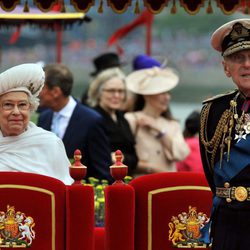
(67, 110)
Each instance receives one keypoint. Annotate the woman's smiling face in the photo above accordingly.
(159, 102)
(113, 94)
(14, 113)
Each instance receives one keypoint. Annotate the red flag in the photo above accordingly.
(15, 35)
(146, 18)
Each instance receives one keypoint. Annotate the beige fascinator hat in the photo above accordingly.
(152, 81)
(28, 77)
(232, 37)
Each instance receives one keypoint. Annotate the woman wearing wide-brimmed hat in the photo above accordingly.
(159, 139)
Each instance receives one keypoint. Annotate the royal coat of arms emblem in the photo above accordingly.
(184, 229)
(16, 229)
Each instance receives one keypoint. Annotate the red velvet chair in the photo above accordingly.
(41, 212)
(170, 208)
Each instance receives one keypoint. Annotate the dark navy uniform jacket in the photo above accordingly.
(218, 105)
(230, 227)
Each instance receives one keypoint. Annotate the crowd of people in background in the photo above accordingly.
(118, 111)
(133, 113)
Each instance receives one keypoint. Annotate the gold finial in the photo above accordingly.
(209, 7)
(26, 7)
(100, 9)
(137, 7)
(63, 9)
(173, 9)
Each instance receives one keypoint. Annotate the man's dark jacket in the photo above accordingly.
(85, 132)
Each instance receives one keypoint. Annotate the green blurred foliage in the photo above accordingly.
(99, 197)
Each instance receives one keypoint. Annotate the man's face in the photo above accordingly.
(237, 66)
(46, 97)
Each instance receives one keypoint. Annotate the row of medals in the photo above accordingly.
(242, 127)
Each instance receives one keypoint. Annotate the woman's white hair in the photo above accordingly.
(34, 102)
(95, 87)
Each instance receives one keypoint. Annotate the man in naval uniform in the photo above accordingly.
(225, 141)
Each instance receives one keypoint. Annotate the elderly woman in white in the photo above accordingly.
(25, 147)
(159, 139)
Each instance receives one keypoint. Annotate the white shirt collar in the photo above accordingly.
(67, 110)
(60, 123)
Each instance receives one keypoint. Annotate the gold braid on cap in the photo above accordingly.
(222, 135)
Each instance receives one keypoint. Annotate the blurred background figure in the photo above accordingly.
(139, 62)
(106, 95)
(159, 139)
(191, 134)
(102, 62)
(77, 125)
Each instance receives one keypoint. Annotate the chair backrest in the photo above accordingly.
(41, 212)
(170, 210)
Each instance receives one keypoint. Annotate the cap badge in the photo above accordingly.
(239, 31)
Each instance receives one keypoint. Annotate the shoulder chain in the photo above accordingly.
(211, 146)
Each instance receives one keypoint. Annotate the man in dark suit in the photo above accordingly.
(77, 125)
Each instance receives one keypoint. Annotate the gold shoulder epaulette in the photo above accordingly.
(219, 96)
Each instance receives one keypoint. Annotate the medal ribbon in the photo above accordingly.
(245, 106)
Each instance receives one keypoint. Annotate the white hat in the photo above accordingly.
(152, 81)
(232, 37)
(27, 77)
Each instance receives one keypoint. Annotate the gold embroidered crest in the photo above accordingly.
(184, 229)
(239, 31)
(16, 229)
